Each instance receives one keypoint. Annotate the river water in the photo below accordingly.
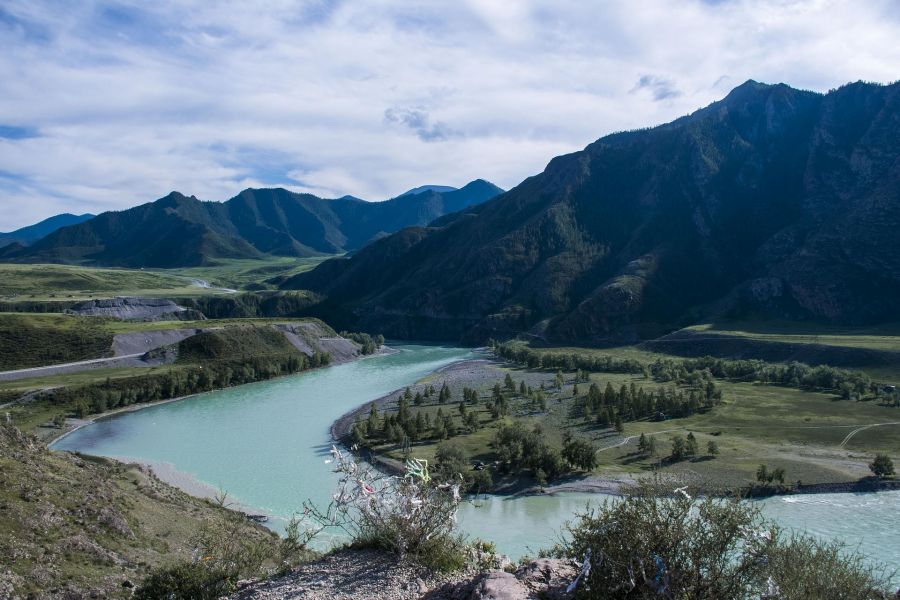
(265, 444)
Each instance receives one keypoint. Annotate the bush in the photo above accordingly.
(882, 466)
(184, 581)
(452, 463)
(223, 554)
(649, 545)
(413, 516)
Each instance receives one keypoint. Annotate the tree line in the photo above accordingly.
(535, 359)
(848, 383)
(181, 381)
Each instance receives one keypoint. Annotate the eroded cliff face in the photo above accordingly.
(773, 201)
(135, 309)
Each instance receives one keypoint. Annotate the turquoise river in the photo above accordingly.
(265, 444)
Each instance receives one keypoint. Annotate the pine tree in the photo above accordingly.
(403, 410)
(678, 448)
(690, 448)
(508, 383)
(372, 421)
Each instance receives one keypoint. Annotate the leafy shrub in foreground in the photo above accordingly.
(412, 516)
(184, 581)
(650, 545)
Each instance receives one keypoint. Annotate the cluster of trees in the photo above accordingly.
(767, 476)
(451, 462)
(535, 359)
(406, 426)
(630, 403)
(370, 344)
(190, 379)
(682, 447)
(693, 371)
(520, 449)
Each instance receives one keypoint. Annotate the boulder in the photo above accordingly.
(499, 585)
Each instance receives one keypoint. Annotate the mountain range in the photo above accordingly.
(773, 201)
(32, 233)
(179, 231)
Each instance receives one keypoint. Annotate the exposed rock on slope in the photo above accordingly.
(773, 200)
(311, 336)
(134, 309)
(139, 342)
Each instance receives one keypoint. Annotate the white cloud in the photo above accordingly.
(130, 100)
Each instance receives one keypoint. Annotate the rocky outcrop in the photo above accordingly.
(140, 342)
(135, 309)
(377, 575)
(543, 578)
(310, 336)
(349, 575)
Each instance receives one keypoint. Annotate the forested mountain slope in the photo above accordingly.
(178, 231)
(772, 201)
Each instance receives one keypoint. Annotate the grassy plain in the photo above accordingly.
(41, 282)
(246, 273)
(66, 282)
(807, 433)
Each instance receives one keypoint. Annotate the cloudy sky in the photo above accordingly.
(105, 105)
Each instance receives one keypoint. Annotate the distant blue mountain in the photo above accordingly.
(32, 233)
(178, 231)
(440, 189)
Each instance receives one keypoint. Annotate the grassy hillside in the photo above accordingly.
(40, 339)
(34, 340)
(882, 337)
(63, 282)
(73, 525)
(234, 343)
(874, 350)
(230, 352)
